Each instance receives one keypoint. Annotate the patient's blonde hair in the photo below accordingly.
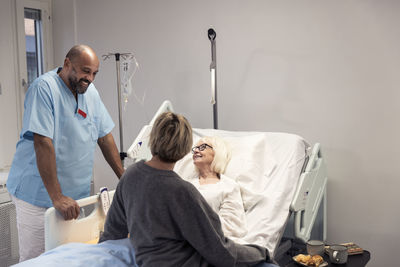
(222, 153)
(171, 137)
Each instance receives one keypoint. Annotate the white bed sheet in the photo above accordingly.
(267, 167)
(115, 253)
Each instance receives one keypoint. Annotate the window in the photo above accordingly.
(34, 42)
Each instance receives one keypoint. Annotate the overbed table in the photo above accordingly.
(359, 260)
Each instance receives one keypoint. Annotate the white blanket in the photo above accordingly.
(267, 167)
(116, 253)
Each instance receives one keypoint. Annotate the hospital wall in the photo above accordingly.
(9, 112)
(326, 70)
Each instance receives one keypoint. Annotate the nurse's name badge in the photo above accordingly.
(82, 113)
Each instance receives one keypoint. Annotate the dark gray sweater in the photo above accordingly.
(171, 224)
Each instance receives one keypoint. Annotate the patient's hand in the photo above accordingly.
(68, 207)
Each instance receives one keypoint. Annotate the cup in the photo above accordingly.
(315, 247)
(338, 254)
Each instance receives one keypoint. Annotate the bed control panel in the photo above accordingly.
(105, 200)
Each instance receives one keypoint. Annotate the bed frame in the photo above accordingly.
(310, 193)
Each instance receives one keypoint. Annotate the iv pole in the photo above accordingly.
(213, 71)
(122, 154)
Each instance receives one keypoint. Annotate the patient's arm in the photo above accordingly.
(231, 211)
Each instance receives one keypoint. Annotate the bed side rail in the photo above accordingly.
(140, 147)
(139, 150)
(309, 195)
(58, 231)
(165, 106)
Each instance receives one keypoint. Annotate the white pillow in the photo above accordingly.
(250, 165)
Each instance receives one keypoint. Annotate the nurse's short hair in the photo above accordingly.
(222, 153)
(171, 137)
(77, 50)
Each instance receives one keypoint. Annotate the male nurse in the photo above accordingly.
(64, 118)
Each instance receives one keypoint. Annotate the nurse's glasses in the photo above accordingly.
(201, 147)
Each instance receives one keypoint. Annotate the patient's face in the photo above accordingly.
(205, 157)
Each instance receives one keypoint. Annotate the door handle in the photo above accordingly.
(25, 85)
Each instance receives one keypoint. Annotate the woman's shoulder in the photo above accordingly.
(166, 181)
(132, 169)
(229, 186)
(228, 181)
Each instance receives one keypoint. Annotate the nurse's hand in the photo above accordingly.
(68, 207)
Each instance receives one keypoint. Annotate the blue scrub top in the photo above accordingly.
(52, 111)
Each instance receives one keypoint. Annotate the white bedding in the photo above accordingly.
(267, 167)
(116, 253)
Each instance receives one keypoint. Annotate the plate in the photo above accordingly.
(352, 249)
(323, 264)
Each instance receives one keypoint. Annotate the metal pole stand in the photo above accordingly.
(213, 71)
(122, 154)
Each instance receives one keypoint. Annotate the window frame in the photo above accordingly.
(47, 44)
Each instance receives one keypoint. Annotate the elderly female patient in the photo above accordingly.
(169, 222)
(211, 156)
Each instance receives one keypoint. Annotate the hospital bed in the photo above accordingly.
(279, 175)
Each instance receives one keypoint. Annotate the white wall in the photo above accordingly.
(9, 112)
(326, 70)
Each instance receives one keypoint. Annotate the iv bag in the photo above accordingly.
(128, 69)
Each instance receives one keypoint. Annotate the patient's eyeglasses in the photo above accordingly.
(201, 147)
